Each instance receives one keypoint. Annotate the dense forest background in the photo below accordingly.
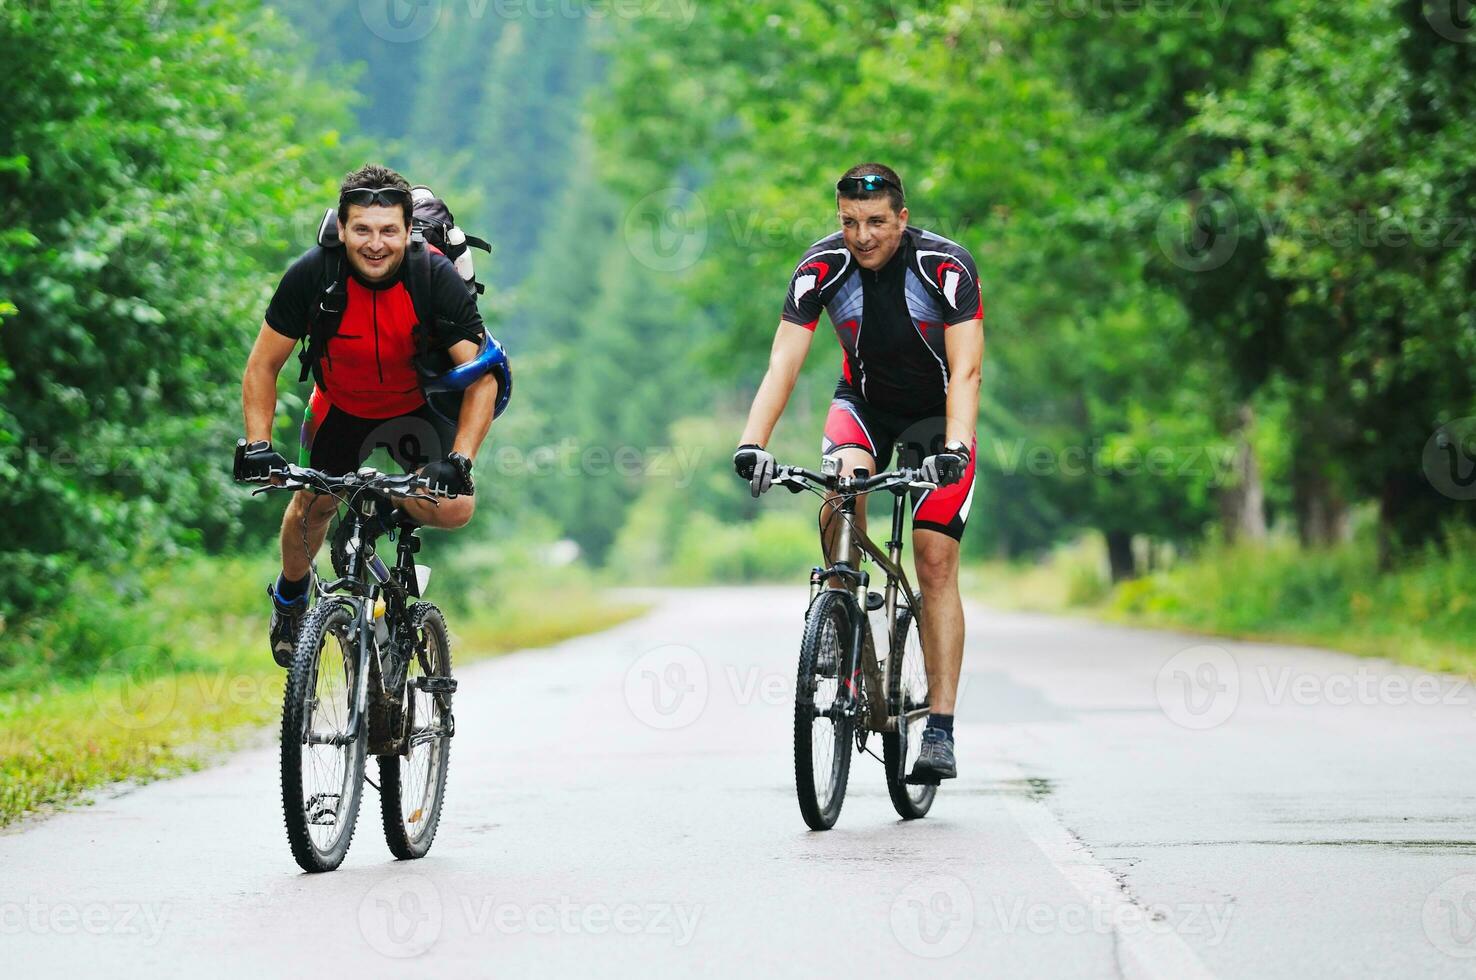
(1228, 254)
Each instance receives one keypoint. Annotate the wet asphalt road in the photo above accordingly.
(1131, 804)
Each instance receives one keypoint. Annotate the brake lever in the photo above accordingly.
(789, 480)
(406, 495)
(288, 484)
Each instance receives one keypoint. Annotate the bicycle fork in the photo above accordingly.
(362, 626)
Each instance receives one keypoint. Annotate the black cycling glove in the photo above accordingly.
(255, 461)
(451, 475)
(948, 466)
(756, 465)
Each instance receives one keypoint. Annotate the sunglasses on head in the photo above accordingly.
(869, 183)
(365, 197)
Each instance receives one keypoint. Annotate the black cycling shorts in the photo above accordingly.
(853, 422)
(336, 442)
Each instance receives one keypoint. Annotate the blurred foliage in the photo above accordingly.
(155, 158)
(1160, 201)
(1240, 235)
(186, 666)
(1351, 145)
(1420, 614)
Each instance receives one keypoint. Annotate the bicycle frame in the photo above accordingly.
(852, 542)
(366, 579)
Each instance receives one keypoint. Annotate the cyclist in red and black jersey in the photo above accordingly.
(368, 392)
(906, 306)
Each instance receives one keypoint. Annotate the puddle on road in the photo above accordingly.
(1377, 820)
(1450, 846)
(1030, 788)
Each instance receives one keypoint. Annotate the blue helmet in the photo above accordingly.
(444, 390)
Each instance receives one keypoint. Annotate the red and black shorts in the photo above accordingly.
(336, 442)
(854, 423)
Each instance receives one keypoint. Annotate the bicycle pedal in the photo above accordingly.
(874, 601)
(436, 685)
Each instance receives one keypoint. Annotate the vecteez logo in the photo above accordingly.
(666, 688)
(1199, 688)
(1200, 231)
(1454, 20)
(933, 917)
(136, 688)
(666, 230)
(401, 917)
(1449, 917)
(400, 21)
(1449, 459)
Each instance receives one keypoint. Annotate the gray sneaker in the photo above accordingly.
(287, 619)
(935, 761)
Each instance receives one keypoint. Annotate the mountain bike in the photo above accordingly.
(370, 675)
(845, 691)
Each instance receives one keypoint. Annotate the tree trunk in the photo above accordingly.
(1243, 503)
(1120, 556)
(1322, 512)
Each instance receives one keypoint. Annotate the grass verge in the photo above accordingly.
(1421, 613)
(162, 679)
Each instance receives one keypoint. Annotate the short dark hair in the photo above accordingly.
(373, 175)
(895, 195)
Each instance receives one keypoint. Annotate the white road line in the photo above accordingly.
(1156, 952)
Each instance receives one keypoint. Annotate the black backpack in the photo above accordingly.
(433, 219)
(431, 224)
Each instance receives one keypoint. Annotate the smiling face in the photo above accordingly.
(375, 238)
(872, 230)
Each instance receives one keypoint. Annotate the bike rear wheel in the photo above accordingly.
(822, 744)
(909, 692)
(322, 768)
(412, 787)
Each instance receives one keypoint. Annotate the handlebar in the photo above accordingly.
(408, 486)
(797, 477)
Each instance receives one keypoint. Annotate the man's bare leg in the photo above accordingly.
(936, 559)
(304, 526)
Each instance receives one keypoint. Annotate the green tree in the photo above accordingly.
(157, 164)
(1353, 151)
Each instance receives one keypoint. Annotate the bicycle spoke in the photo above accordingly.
(909, 703)
(327, 747)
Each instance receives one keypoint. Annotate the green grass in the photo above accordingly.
(1421, 613)
(161, 680)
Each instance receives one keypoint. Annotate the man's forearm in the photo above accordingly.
(963, 408)
(475, 418)
(791, 344)
(965, 343)
(258, 403)
(768, 405)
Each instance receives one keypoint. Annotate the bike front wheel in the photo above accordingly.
(412, 787)
(822, 733)
(322, 760)
(907, 699)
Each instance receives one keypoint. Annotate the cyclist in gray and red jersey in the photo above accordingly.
(906, 306)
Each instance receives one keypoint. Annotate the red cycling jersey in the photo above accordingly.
(368, 368)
